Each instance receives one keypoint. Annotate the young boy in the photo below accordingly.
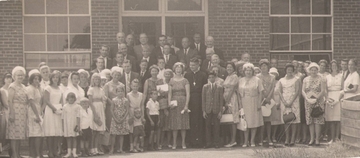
(212, 103)
(119, 59)
(86, 120)
(152, 108)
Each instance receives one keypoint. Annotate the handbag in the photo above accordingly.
(242, 125)
(227, 117)
(289, 117)
(316, 112)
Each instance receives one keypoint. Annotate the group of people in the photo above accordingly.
(140, 97)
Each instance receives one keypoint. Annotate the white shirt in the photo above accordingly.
(161, 74)
(197, 45)
(153, 107)
(147, 59)
(86, 118)
(166, 57)
(353, 79)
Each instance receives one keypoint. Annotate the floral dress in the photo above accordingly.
(178, 121)
(35, 129)
(110, 92)
(288, 92)
(230, 88)
(268, 84)
(17, 129)
(121, 113)
(313, 86)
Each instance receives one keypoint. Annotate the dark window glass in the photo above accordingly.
(279, 25)
(78, 6)
(300, 6)
(321, 42)
(57, 42)
(279, 6)
(279, 42)
(186, 5)
(34, 42)
(56, 6)
(300, 42)
(300, 25)
(34, 6)
(80, 24)
(321, 6)
(57, 24)
(321, 25)
(142, 5)
(34, 24)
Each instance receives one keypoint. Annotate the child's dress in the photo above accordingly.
(135, 102)
(121, 113)
(98, 98)
(70, 114)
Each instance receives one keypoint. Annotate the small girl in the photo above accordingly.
(86, 123)
(71, 123)
(119, 124)
(136, 99)
(138, 131)
(153, 108)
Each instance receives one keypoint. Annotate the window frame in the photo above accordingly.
(311, 33)
(68, 52)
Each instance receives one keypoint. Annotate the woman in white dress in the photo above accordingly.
(351, 84)
(332, 109)
(45, 72)
(53, 130)
(73, 86)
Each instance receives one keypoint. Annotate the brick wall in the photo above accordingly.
(346, 29)
(105, 23)
(240, 26)
(11, 39)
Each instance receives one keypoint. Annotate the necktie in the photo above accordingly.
(185, 52)
(198, 47)
(209, 65)
(128, 83)
(166, 58)
(142, 74)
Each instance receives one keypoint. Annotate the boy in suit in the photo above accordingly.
(104, 53)
(170, 59)
(212, 105)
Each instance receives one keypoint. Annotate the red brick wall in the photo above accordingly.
(11, 39)
(240, 26)
(346, 29)
(105, 23)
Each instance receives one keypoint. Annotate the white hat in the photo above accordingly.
(17, 68)
(117, 69)
(312, 64)
(34, 71)
(274, 70)
(83, 71)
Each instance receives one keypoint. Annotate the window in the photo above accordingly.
(57, 32)
(301, 26)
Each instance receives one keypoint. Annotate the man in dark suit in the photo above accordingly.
(199, 46)
(146, 55)
(114, 49)
(138, 49)
(124, 51)
(99, 65)
(212, 105)
(170, 59)
(159, 50)
(206, 64)
(144, 74)
(128, 76)
(221, 71)
(104, 52)
(184, 55)
(344, 69)
(197, 79)
(119, 59)
(210, 45)
(130, 44)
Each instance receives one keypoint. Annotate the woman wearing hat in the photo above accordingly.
(34, 114)
(84, 81)
(313, 90)
(18, 103)
(289, 87)
(45, 73)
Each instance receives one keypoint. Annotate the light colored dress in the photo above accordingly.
(277, 114)
(178, 121)
(269, 85)
(34, 129)
(52, 125)
(352, 79)
(333, 83)
(121, 113)
(250, 90)
(135, 102)
(98, 98)
(288, 92)
(230, 88)
(313, 86)
(70, 114)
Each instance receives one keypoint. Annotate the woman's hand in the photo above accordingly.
(204, 115)
(12, 117)
(219, 115)
(278, 106)
(37, 119)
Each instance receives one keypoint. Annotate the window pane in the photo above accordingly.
(34, 42)
(321, 42)
(145, 5)
(321, 6)
(79, 24)
(300, 42)
(58, 60)
(56, 6)
(279, 6)
(34, 24)
(34, 6)
(279, 42)
(80, 42)
(279, 25)
(191, 5)
(79, 6)
(300, 25)
(57, 24)
(57, 42)
(300, 6)
(321, 25)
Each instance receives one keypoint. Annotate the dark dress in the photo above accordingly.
(196, 133)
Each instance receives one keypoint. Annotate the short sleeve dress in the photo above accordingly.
(135, 102)
(52, 122)
(269, 85)
(288, 92)
(250, 90)
(178, 121)
(230, 91)
(98, 98)
(121, 113)
(18, 128)
(110, 92)
(70, 114)
(313, 86)
(34, 129)
(333, 83)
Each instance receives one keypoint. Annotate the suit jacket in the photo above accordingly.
(205, 65)
(138, 49)
(152, 61)
(157, 51)
(130, 51)
(219, 53)
(202, 52)
(222, 73)
(346, 74)
(114, 49)
(134, 66)
(212, 99)
(186, 58)
(109, 63)
(94, 71)
(142, 80)
(172, 60)
(133, 75)
(196, 80)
